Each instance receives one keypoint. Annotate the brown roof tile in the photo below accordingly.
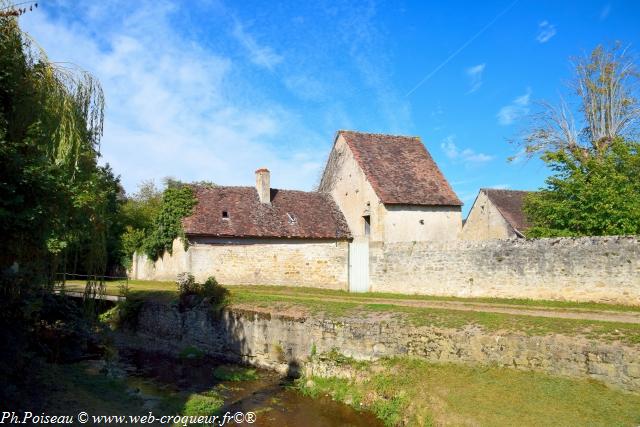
(316, 216)
(509, 203)
(400, 169)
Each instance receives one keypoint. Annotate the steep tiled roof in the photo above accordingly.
(509, 203)
(292, 214)
(400, 169)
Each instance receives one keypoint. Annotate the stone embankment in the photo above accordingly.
(290, 342)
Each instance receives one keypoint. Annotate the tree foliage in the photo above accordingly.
(595, 188)
(53, 195)
(177, 202)
(55, 200)
(138, 213)
(599, 196)
(153, 218)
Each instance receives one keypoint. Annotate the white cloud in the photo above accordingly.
(475, 76)
(516, 109)
(305, 87)
(545, 32)
(466, 156)
(500, 186)
(263, 56)
(174, 107)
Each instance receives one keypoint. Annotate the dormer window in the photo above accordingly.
(225, 215)
(292, 218)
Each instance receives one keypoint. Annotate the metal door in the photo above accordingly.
(359, 266)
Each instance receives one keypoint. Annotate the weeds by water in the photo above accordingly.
(411, 391)
(235, 373)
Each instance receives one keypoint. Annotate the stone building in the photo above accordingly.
(496, 214)
(258, 235)
(390, 190)
(375, 189)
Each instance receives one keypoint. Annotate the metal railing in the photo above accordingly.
(95, 292)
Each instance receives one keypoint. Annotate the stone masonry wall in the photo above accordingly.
(287, 343)
(603, 269)
(259, 262)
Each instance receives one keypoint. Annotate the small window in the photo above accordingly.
(367, 225)
(292, 218)
(225, 215)
(422, 222)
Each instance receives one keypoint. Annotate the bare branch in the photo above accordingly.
(606, 85)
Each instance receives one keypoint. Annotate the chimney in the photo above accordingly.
(262, 185)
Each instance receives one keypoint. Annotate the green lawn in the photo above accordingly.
(449, 318)
(155, 287)
(278, 298)
(419, 393)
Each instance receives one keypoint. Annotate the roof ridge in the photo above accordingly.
(379, 134)
(216, 187)
(506, 190)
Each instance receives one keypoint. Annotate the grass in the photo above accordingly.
(518, 302)
(235, 373)
(415, 392)
(144, 288)
(450, 318)
(276, 298)
(168, 288)
(74, 387)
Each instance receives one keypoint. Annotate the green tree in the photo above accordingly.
(53, 195)
(597, 196)
(138, 213)
(595, 186)
(178, 201)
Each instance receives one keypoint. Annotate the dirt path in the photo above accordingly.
(556, 312)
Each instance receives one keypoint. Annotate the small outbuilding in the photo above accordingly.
(496, 214)
(258, 235)
(390, 189)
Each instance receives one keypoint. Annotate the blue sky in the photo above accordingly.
(212, 90)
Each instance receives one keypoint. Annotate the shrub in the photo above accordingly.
(186, 284)
(218, 294)
(123, 314)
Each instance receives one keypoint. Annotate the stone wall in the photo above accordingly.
(252, 262)
(583, 269)
(287, 342)
(605, 269)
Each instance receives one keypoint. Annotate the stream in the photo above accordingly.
(157, 379)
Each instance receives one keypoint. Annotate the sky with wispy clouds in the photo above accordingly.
(211, 90)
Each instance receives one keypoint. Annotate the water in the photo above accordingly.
(271, 397)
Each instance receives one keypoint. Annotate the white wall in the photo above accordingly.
(420, 223)
(485, 221)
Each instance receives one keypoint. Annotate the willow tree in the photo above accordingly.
(595, 189)
(53, 194)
